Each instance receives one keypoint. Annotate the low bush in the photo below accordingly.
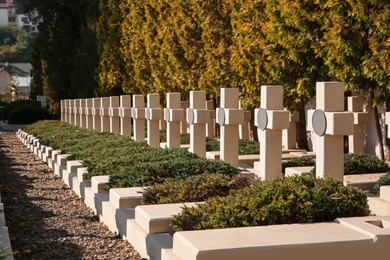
(156, 172)
(297, 199)
(248, 147)
(27, 114)
(382, 181)
(363, 163)
(195, 188)
(116, 155)
(298, 162)
(5, 112)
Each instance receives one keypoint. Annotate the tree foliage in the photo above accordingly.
(15, 44)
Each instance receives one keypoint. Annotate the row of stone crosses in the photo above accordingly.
(329, 122)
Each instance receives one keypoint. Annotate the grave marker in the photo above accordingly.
(125, 115)
(138, 115)
(271, 119)
(88, 113)
(229, 116)
(114, 115)
(173, 115)
(197, 117)
(289, 138)
(63, 111)
(210, 126)
(104, 114)
(96, 114)
(360, 118)
(153, 116)
(387, 121)
(244, 127)
(183, 123)
(82, 113)
(330, 123)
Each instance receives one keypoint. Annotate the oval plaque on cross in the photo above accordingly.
(167, 115)
(221, 116)
(262, 118)
(191, 116)
(319, 122)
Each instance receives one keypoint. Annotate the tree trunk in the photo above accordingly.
(377, 127)
(301, 129)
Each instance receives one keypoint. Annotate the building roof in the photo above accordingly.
(6, 4)
(16, 69)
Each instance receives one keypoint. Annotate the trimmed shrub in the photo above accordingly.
(195, 188)
(363, 163)
(161, 171)
(5, 112)
(296, 199)
(248, 147)
(382, 181)
(27, 114)
(298, 162)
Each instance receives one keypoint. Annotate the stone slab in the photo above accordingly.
(99, 184)
(126, 197)
(304, 170)
(303, 241)
(115, 219)
(156, 218)
(385, 193)
(147, 245)
(378, 206)
(362, 181)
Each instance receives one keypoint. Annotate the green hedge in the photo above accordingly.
(5, 112)
(363, 163)
(382, 181)
(27, 114)
(129, 163)
(195, 188)
(302, 199)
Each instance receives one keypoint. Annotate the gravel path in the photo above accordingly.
(47, 220)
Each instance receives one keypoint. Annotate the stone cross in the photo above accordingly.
(138, 115)
(70, 111)
(289, 138)
(68, 114)
(96, 114)
(82, 113)
(183, 123)
(63, 109)
(125, 115)
(271, 119)
(173, 116)
(197, 117)
(77, 116)
(387, 121)
(114, 115)
(104, 115)
(244, 127)
(330, 123)
(229, 116)
(210, 125)
(88, 113)
(360, 118)
(153, 116)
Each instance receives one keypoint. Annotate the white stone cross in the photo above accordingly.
(289, 138)
(210, 126)
(270, 120)
(88, 113)
(330, 122)
(183, 123)
(63, 110)
(360, 118)
(125, 115)
(244, 127)
(173, 115)
(153, 116)
(96, 114)
(104, 114)
(138, 115)
(82, 112)
(114, 115)
(229, 116)
(69, 111)
(197, 117)
(75, 112)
